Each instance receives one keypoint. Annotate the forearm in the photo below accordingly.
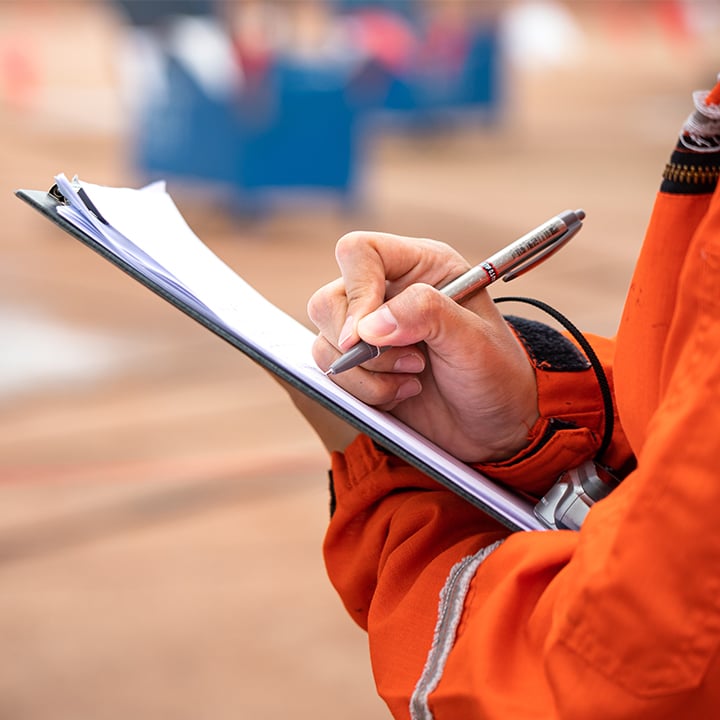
(607, 621)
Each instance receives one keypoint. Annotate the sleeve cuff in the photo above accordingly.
(569, 430)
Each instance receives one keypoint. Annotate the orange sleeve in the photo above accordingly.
(393, 538)
(618, 620)
(572, 415)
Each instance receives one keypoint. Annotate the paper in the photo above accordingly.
(146, 231)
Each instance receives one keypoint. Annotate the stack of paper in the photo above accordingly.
(143, 233)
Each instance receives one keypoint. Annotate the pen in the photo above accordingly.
(510, 262)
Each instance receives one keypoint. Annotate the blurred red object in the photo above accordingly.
(386, 37)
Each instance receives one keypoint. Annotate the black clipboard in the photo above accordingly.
(504, 505)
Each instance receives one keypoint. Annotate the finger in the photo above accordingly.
(327, 309)
(393, 360)
(380, 389)
(422, 314)
(378, 265)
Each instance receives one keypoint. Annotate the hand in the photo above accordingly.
(456, 373)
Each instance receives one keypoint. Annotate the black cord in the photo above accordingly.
(591, 356)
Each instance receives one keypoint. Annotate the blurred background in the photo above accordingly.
(162, 505)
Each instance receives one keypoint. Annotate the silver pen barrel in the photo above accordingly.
(507, 259)
(524, 253)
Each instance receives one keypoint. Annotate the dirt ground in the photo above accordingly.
(162, 505)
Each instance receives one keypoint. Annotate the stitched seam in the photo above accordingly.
(452, 602)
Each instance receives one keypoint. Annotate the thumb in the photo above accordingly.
(420, 313)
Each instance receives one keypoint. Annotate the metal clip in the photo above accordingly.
(568, 502)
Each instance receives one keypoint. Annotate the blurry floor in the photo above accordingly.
(162, 506)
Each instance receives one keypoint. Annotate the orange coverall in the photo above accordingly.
(619, 620)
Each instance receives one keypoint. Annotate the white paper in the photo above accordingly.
(146, 230)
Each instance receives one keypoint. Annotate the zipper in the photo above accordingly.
(691, 174)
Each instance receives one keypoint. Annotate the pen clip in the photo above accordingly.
(543, 254)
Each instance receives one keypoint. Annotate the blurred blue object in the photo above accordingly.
(294, 122)
(425, 93)
(296, 131)
(154, 13)
(407, 8)
(420, 68)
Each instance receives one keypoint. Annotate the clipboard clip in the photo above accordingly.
(55, 193)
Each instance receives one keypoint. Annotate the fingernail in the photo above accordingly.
(379, 323)
(346, 332)
(410, 363)
(408, 389)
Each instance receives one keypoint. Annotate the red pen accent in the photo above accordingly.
(491, 270)
(517, 258)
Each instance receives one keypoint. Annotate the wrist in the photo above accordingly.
(568, 426)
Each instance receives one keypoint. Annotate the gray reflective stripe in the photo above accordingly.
(452, 601)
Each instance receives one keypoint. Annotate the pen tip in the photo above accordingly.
(329, 372)
(580, 214)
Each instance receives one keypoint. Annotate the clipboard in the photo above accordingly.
(512, 510)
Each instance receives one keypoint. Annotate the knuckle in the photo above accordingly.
(373, 388)
(444, 251)
(317, 306)
(379, 393)
(323, 352)
(360, 266)
(349, 243)
(424, 300)
(425, 308)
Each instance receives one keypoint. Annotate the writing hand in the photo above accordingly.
(456, 373)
